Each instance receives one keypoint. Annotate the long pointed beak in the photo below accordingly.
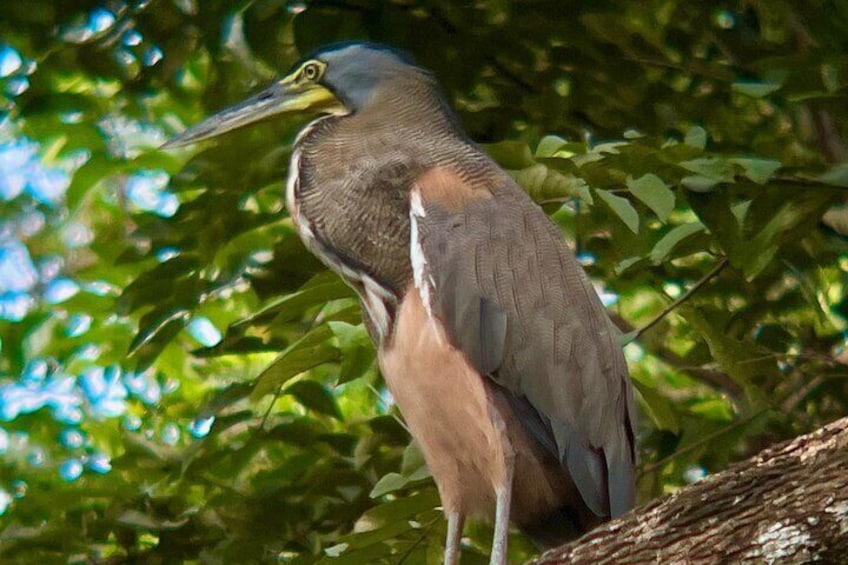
(279, 98)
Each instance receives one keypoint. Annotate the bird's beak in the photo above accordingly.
(280, 98)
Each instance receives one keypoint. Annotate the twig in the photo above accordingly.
(697, 286)
(392, 413)
(425, 531)
(267, 413)
(715, 379)
(704, 440)
(790, 404)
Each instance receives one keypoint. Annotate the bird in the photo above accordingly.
(489, 334)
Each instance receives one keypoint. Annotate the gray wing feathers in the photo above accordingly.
(621, 457)
(621, 477)
(586, 467)
(520, 307)
(480, 322)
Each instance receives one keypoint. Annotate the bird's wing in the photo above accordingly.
(513, 298)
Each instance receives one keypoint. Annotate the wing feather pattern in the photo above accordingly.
(514, 299)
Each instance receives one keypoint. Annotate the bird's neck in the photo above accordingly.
(348, 191)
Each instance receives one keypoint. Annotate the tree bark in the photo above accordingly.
(789, 504)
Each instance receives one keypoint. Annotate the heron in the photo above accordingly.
(489, 334)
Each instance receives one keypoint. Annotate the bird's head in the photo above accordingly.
(339, 79)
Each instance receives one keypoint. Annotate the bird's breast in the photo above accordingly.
(351, 210)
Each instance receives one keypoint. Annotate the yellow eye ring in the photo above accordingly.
(311, 71)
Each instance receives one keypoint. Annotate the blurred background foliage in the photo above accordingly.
(182, 382)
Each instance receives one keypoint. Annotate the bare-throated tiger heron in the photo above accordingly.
(490, 336)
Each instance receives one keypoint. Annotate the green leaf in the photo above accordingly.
(837, 176)
(718, 409)
(398, 510)
(718, 169)
(413, 458)
(157, 330)
(336, 550)
(837, 219)
(755, 89)
(139, 520)
(549, 145)
(740, 210)
(320, 289)
(315, 396)
(99, 167)
(760, 260)
(294, 305)
(765, 243)
(389, 427)
(226, 397)
(544, 184)
(658, 408)
(301, 431)
(758, 170)
(310, 351)
(622, 208)
(389, 482)
(357, 351)
(696, 137)
(698, 183)
(656, 195)
(676, 235)
(413, 469)
(625, 264)
(715, 211)
(510, 155)
(742, 359)
(377, 551)
(158, 283)
(831, 78)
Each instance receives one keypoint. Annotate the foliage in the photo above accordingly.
(184, 382)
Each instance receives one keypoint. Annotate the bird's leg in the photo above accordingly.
(503, 500)
(499, 543)
(455, 522)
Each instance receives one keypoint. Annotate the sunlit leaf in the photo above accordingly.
(718, 169)
(389, 482)
(696, 137)
(755, 89)
(549, 145)
(622, 208)
(698, 183)
(544, 184)
(651, 190)
(676, 235)
(758, 170)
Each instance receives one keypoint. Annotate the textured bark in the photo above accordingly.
(789, 504)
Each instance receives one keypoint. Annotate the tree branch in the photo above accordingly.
(789, 504)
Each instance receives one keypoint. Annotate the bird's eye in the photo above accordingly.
(311, 71)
